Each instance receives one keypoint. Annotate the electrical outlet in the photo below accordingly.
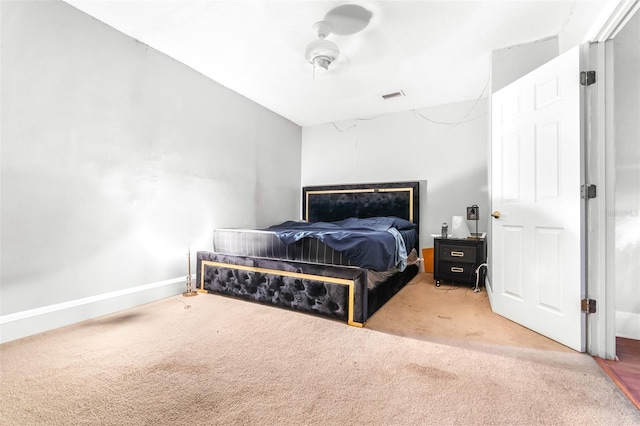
(472, 213)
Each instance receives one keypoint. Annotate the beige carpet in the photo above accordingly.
(225, 361)
(452, 312)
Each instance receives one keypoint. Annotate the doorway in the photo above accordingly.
(622, 61)
(626, 214)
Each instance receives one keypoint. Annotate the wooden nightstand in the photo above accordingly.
(456, 260)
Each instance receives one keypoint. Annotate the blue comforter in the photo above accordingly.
(372, 243)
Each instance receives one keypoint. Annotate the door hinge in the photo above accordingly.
(588, 191)
(587, 78)
(588, 306)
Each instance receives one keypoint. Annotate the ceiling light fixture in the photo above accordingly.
(322, 52)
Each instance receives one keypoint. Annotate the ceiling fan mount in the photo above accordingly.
(342, 20)
(322, 52)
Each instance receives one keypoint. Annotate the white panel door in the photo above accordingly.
(536, 270)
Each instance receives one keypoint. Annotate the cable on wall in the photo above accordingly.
(355, 122)
(343, 130)
(416, 113)
(564, 26)
(464, 118)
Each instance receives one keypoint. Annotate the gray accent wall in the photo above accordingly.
(116, 160)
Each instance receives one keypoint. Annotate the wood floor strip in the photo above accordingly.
(625, 372)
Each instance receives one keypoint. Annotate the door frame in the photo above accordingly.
(600, 171)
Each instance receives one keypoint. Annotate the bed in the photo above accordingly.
(294, 266)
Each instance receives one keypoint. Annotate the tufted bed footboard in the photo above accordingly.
(334, 291)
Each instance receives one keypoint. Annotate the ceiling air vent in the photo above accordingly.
(393, 95)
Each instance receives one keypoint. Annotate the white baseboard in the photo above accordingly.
(628, 325)
(26, 323)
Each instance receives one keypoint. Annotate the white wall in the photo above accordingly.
(449, 160)
(115, 160)
(627, 193)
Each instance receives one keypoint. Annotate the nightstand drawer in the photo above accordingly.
(457, 253)
(457, 271)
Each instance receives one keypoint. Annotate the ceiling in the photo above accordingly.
(436, 52)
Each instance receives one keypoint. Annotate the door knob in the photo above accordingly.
(496, 214)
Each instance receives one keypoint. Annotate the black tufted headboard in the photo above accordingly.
(330, 203)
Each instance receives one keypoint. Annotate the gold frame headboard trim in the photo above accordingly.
(342, 281)
(363, 190)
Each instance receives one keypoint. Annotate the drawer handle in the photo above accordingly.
(456, 269)
(457, 253)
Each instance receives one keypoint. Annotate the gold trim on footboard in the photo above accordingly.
(332, 280)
